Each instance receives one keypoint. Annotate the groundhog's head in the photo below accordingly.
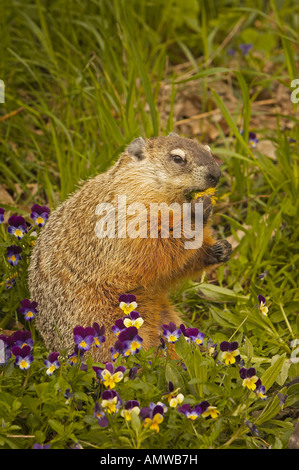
(173, 165)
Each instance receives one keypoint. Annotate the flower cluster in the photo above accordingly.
(84, 338)
(110, 374)
(203, 409)
(172, 333)
(18, 228)
(126, 329)
(20, 345)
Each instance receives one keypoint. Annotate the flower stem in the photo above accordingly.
(286, 320)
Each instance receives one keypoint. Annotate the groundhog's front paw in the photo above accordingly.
(219, 253)
(206, 209)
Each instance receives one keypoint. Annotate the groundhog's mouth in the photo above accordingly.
(196, 194)
(189, 193)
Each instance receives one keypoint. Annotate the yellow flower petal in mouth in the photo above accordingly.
(208, 192)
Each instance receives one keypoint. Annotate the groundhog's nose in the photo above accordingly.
(214, 174)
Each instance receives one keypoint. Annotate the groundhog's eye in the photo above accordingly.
(178, 159)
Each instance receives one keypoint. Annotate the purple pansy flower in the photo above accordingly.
(252, 139)
(231, 51)
(230, 352)
(39, 214)
(133, 373)
(250, 379)
(2, 215)
(127, 302)
(52, 363)
(245, 48)
(282, 399)
(189, 412)
(22, 338)
(84, 337)
(262, 305)
(41, 446)
(153, 415)
(28, 309)
(10, 283)
(204, 409)
(171, 332)
(17, 226)
(118, 327)
(100, 415)
(23, 356)
(116, 350)
(99, 337)
(132, 406)
(108, 375)
(263, 275)
(13, 254)
(133, 319)
(260, 390)
(111, 401)
(192, 334)
(75, 355)
(130, 340)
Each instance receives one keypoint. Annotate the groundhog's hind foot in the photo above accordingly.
(220, 252)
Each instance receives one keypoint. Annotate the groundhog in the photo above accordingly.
(76, 275)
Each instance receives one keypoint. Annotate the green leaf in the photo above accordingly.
(270, 375)
(173, 375)
(183, 350)
(56, 426)
(248, 348)
(270, 410)
(135, 421)
(220, 293)
(200, 370)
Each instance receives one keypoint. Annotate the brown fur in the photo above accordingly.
(76, 278)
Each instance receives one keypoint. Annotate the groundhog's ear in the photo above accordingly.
(136, 148)
(173, 134)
